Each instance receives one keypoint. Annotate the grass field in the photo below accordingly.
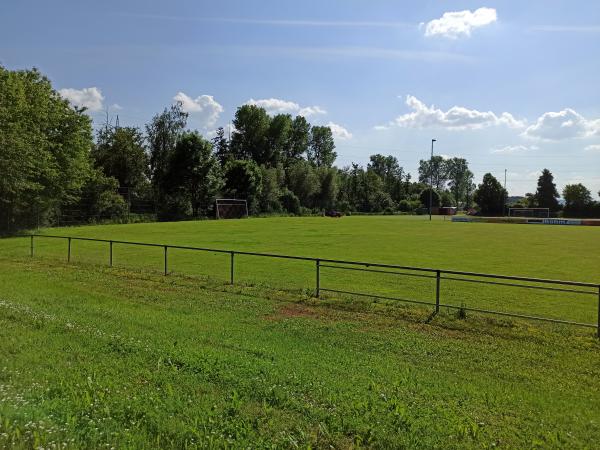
(125, 357)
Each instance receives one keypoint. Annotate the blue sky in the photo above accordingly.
(507, 84)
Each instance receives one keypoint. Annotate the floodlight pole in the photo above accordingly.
(431, 179)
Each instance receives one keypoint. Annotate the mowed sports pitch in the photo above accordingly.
(93, 356)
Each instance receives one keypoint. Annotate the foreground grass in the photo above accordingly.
(92, 357)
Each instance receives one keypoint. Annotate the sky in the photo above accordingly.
(509, 85)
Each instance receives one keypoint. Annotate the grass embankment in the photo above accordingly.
(97, 357)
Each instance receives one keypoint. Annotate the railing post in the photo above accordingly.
(437, 291)
(166, 266)
(318, 269)
(599, 311)
(31, 246)
(110, 254)
(69, 252)
(231, 269)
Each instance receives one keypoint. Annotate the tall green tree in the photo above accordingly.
(221, 147)
(321, 151)
(434, 170)
(279, 137)
(491, 196)
(460, 179)
(120, 153)
(392, 174)
(578, 200)
(243, 180)
(299, 140)
(44, 149)
(193, 174)
(546, 195)
(249, 140)
(162, 134)
(303, 181)
(426, 194)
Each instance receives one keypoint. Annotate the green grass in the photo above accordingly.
(127, 358)
(560, 252)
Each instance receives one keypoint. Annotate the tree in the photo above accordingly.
(193, 174)
(243, 179)
(578, 200)
(303, 182)
(546, 195)
(120, 153)
(426, 194)
(299, 139)
(99, 200)
(328, 181)
(162, 134)
(321, 151)
(435, 171)
(270, 191)
(221, 147)
(279, 138)
(490, 196)
(460, 178)
(44, 150)
(249, 140)
(392, 174)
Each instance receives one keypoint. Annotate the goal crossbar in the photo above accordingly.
(529, 212)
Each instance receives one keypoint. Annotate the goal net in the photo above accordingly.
(529, 212)
(231, 208)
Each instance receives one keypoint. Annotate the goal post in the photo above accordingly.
(529, 212)
(231, 208)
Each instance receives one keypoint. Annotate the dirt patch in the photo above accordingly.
(295, 310)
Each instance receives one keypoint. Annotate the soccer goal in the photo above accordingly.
(231, 208)
(529, 212)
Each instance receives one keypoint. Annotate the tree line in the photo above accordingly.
(51, 161)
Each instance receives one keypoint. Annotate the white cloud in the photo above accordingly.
(593, 148)
(204, 108)
(229, 129)
(565, 124)
(509, 149)
(456, 118)
(339, 132)
(90, 98)
(460, 23)
(116, 107)
(278, 106)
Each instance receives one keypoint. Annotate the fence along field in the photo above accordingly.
(559, 301)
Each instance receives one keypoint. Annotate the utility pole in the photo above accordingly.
(506, 198)
(431, 179)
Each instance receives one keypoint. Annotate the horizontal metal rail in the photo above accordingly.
(485, 311)
(382, 297)
(380, 271)
(524, 286)
(335, 261)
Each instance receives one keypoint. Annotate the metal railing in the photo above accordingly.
(572, 287)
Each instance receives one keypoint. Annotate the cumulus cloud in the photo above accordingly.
(455, 118)
(593, 148)
(204, 108)
(565, 124)
(456, 24)
(509, 149)
(278, 106)
(339, 132)
(90, 98)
